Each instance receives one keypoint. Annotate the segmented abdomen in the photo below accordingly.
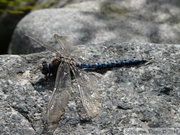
(117, 63)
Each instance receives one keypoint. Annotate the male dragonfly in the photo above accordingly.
(66, 70)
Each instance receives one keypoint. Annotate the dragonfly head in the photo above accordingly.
(45, 69)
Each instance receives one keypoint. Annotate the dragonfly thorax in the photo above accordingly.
(51, 68)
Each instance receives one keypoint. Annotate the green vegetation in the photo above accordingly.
(19, 6)
(114, 10)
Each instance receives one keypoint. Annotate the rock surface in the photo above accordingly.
(93, 22)
(140, 96)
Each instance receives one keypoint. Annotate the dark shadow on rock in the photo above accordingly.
(45, 83)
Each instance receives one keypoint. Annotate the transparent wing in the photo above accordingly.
(89, 92)
(66, 46)
(60, 96)
(44, 45)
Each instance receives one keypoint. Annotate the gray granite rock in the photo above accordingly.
(93, 22)
(141, 96)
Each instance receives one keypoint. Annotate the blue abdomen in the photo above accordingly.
(117, 63)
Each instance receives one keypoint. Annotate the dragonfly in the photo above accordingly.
(64, 67)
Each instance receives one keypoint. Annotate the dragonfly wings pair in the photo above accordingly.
(86, 84)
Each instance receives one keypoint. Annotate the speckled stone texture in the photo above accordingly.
(144, 96)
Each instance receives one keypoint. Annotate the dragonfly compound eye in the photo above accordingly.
(45, 68)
